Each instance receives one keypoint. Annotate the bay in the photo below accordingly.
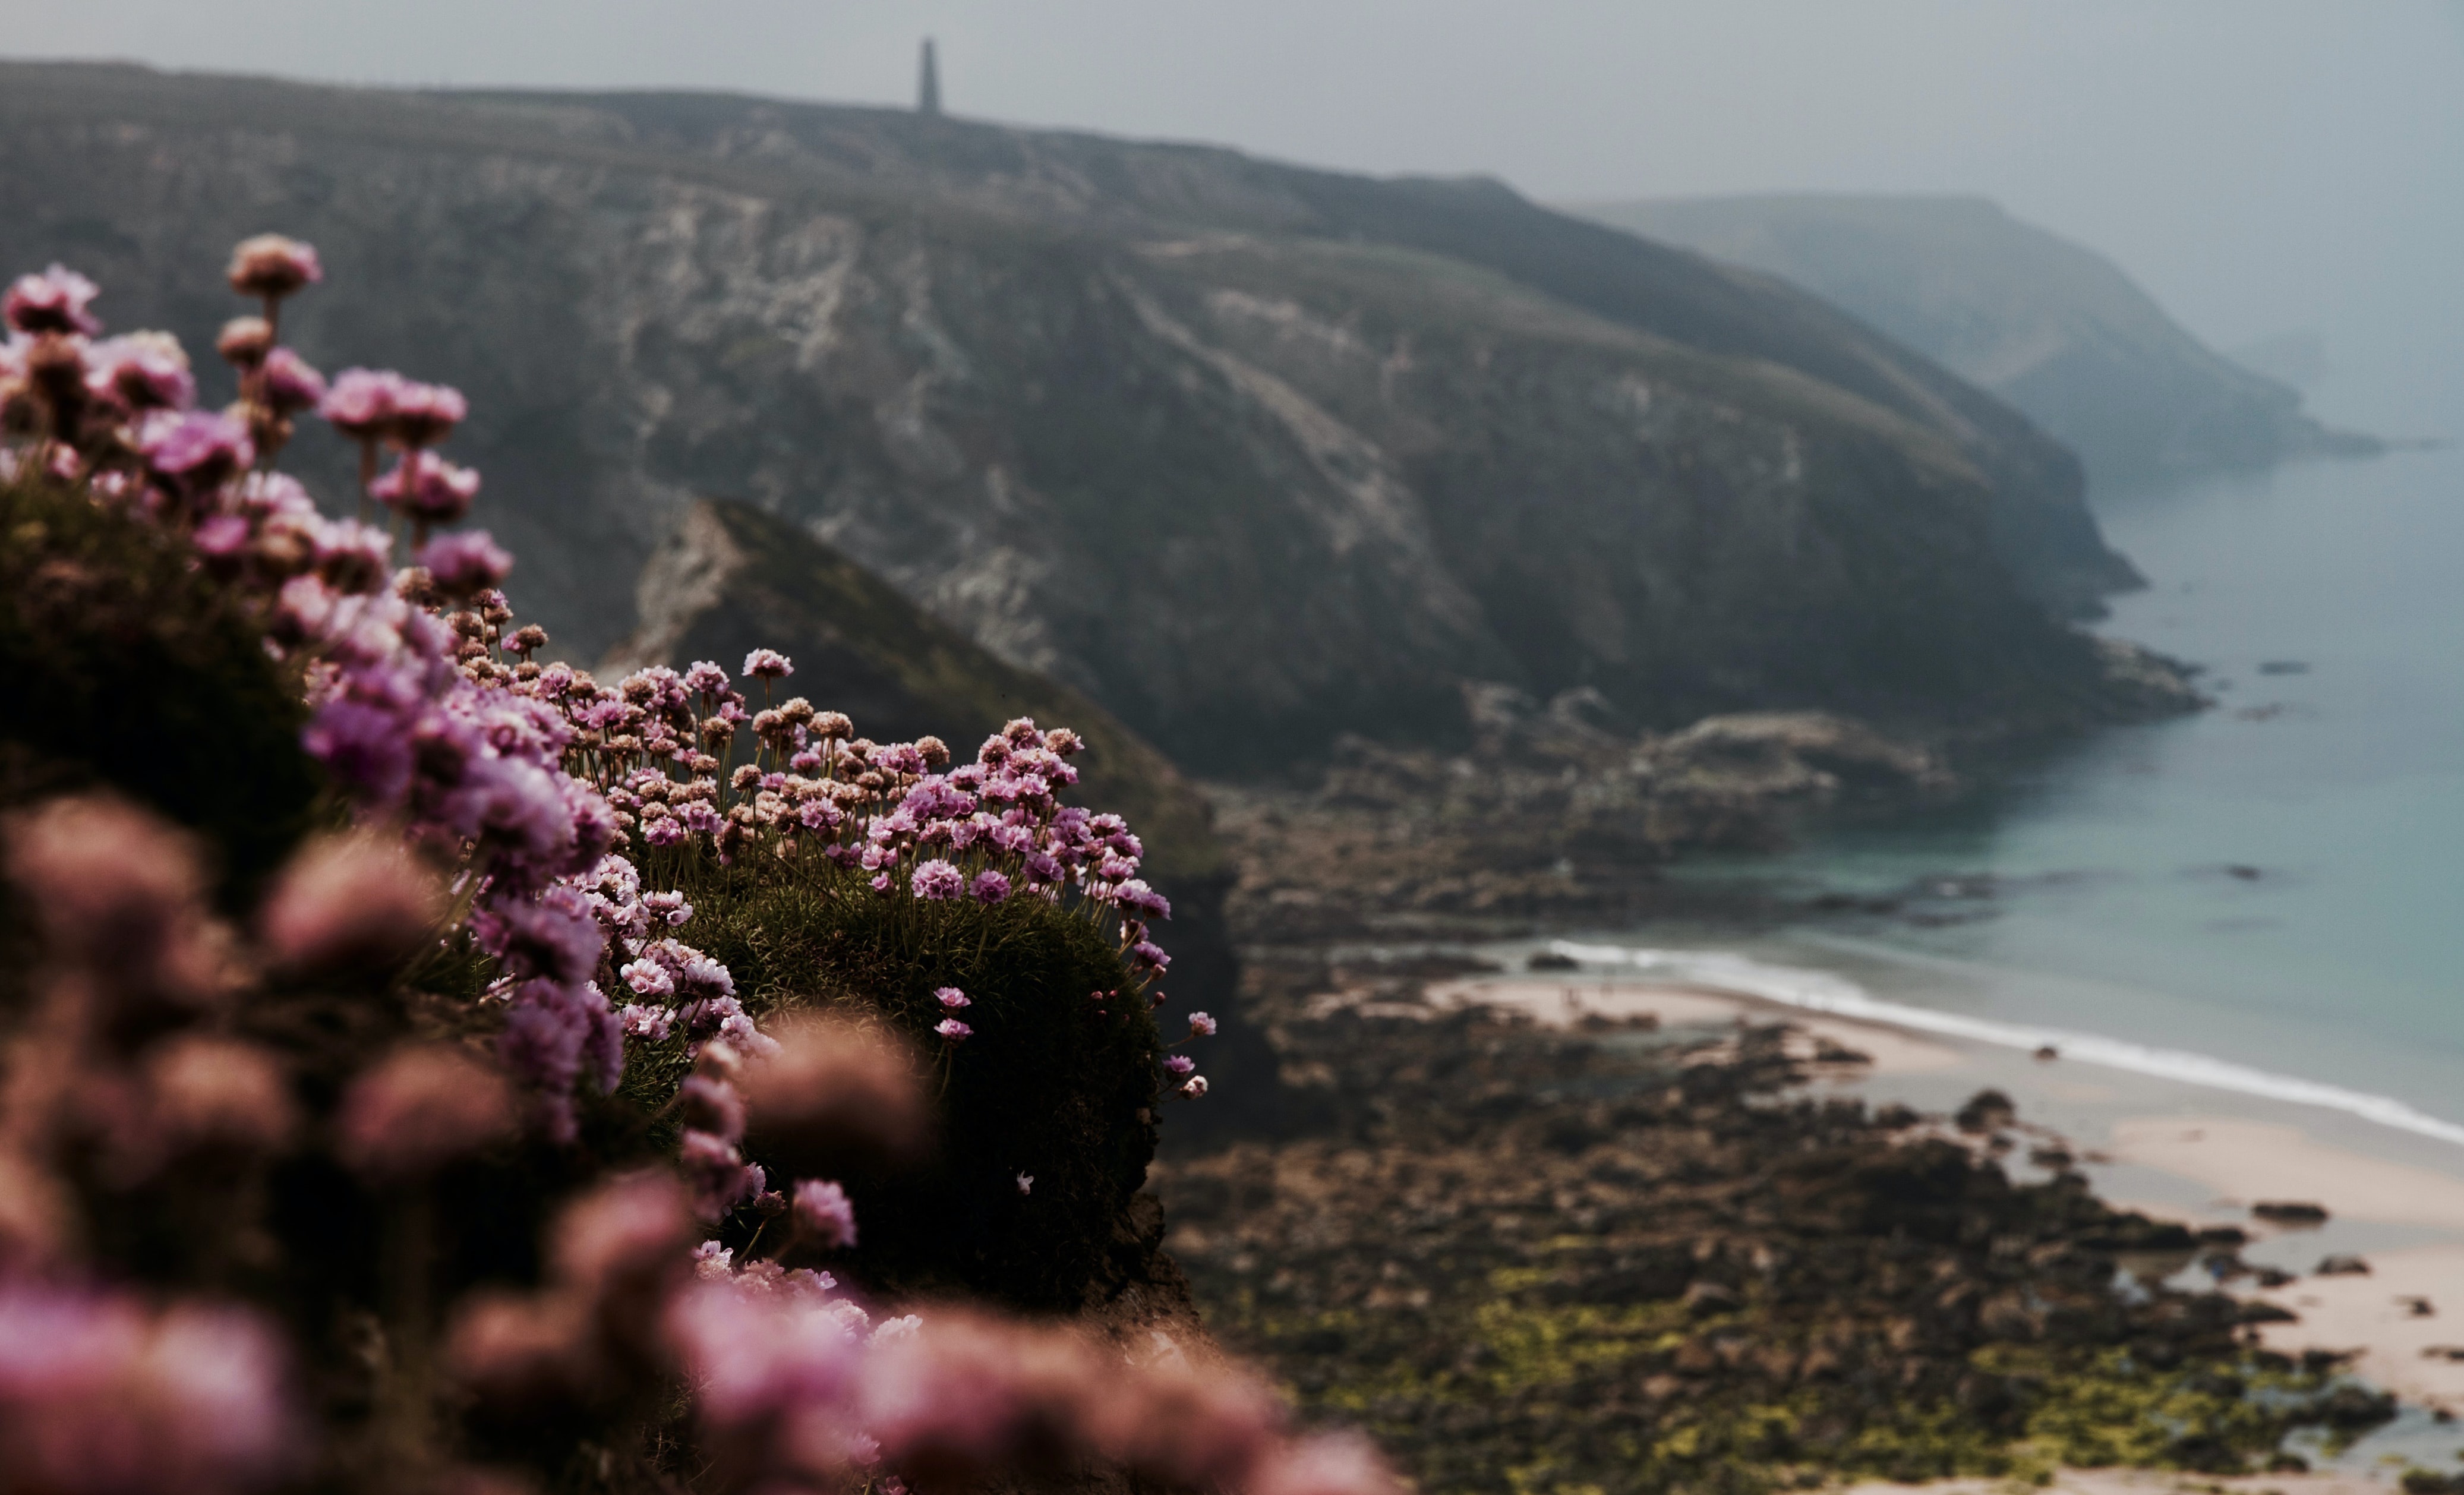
(2277, 882)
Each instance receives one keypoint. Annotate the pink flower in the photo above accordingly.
(824, 1215)
(938, 880)
(143, 370)
(464, 562)
(952, 998)
(52, 302)
(1200, 1026)
(952, 1030)
(287, 383)
(649, 979)
(349, 899)
(1194, 1087)
(1027, 1183)
(269, 265)
(1147, 955)
(245, 340)
(705, 678)
(768, 664)
(420, 1108)
(1137, 897)
(99, 1397)
(1179, 1065)
(423, 486)
(716, 1173)
(989, 887)
(426, 415)
(119, 892)
(650, 1025)
(361, 402)
(198, 449)
(712, 1106)
(202, 1093)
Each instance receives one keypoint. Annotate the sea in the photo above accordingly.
(2264, 900)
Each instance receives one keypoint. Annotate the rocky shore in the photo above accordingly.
(1628, 1255)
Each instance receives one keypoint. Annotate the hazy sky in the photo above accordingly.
(2260, 166)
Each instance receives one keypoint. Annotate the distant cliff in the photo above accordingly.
(2055, 329)
(1251, 454)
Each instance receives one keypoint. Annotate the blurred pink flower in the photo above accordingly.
(286, 382)
(423, 486)
(269, 265)
(350, 898)
(824, 1215)
(52, 302)
(418, 1109)
(99, 1397)
(464, 562)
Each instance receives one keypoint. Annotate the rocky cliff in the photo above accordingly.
(2055, 329)
(1250, 454)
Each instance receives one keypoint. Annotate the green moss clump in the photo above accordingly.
(1052, 1083)
(123, 665)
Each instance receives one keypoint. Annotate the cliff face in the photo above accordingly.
(2057, 330)
(1248, 453)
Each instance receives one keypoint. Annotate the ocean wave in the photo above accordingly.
(1822, 991)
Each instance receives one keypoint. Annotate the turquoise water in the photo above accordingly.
(2277, 882)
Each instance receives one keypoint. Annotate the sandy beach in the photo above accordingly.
(1567, 1003)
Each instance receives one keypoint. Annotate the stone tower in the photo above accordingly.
(928, 82)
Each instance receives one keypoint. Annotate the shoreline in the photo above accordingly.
(2162, 1144)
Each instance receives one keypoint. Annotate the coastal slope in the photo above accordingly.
(2055, 329)
(1252, 456)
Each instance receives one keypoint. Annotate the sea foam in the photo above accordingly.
(1821, 991)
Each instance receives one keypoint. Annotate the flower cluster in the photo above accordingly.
(519, 809)
(407, 718)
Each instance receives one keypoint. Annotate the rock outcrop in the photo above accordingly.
(1251, 454)
(2054, 328)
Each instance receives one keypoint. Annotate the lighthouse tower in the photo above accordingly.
(928, 82)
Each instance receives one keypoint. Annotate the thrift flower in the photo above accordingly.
(824, 1215)
(953, 1030)
(199, 448)
(357, 898)
(245, 340)
(286, 382)
(425, 487)
(269, 265)
(425, 414)
(1200, 1026)
(360, 403)
(938, 880)
(419, 1108)
(52, 302)
(464, 562)
(952, 998)
(768, 664)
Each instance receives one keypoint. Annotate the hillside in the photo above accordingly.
(2055, 329)
(1250, 454)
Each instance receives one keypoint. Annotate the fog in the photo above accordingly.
(2260, 166)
